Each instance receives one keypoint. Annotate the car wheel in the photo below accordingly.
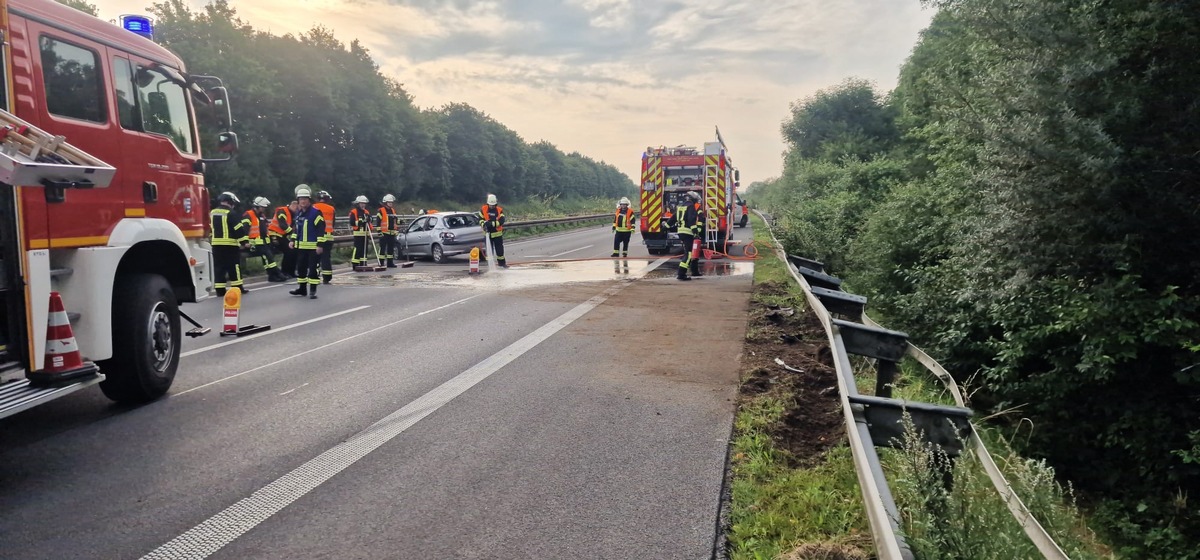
(146, 340)
(437, 254)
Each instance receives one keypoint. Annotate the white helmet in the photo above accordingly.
(693, 195)
(361, 199)
(491, 200)
(389, 198)
(303, 191)
(624, 201)
(261, 202)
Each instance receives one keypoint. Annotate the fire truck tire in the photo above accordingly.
(146, 340)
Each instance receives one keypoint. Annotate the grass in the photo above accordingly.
(777, 509)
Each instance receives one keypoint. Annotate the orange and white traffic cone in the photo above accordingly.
(63, 360)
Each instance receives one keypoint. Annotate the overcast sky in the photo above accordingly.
(607, 78)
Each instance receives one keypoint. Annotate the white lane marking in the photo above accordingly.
(221, 529)
(270, 332)
(290, 390)
(572, 251)
(324, 346)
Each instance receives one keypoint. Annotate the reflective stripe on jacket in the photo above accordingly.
(309, 228)
(358, 222)
(623, 221)
(283, 215)
(488, 215)
(388, 219)
(328, 213)
(225, 234)
(254, 229)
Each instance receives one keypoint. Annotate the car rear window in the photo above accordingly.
(461, 221)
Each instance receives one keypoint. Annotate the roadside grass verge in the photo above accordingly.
(792, 505)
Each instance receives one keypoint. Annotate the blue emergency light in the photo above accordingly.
(138, 24)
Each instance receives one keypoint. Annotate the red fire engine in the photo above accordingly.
(668, 174)
(125, 241)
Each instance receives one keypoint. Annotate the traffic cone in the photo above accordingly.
(474, 266)
(232, 325)
(63, 360)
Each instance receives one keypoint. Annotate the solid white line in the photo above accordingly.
(324, 346)
(572, 251)
(290, 390)
(221, 529)
(270, 332)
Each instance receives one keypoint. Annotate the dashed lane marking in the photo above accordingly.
(270, 332)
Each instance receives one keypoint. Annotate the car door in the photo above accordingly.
(411, 239)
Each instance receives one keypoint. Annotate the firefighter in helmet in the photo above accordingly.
(389, 221)
(360, 227)
(259, 230)
(491, 217)
(622, 228)
(278, 230)
(325, 207)
(690, 224)
(227, 236)
(308, 229)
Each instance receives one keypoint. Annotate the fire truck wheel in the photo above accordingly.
(438, 255)
(146, 340)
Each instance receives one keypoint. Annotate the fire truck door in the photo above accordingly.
(160, 148)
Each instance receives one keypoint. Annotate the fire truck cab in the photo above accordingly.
(668, 174)
(124, 256)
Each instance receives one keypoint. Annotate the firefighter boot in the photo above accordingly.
(274, 275)
(301, 290)
(313, 292)
(391, 263)
(695, 268)
(682, 274)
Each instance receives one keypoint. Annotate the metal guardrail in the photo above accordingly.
(342, 224)
(882, 514)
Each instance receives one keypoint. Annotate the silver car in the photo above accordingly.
(442, 235)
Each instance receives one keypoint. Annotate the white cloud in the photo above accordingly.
(608, 77)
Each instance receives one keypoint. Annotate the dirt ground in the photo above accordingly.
(813, 424)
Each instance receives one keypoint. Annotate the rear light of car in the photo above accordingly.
(447, 235)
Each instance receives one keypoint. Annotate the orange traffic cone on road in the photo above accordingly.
(232, 312)
(474, 262)
(63, 360)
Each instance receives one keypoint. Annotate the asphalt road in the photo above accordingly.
(552, 410)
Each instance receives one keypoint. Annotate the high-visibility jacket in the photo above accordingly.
(493, 219)
(623, 220)
(689, 219)
(281, 226)
(389, 220)
(328, 213)
(224, 232)
(358, 222)
(308, 228)
(255, 229)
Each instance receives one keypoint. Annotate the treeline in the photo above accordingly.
(310, 109)
(1025, 203)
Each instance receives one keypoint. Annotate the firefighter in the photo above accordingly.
(388, 223)
(325, 207)
(227, 236)
(278, 231)
(259, 227)
(689, 224)
(308, 229)
(622, 228)
(491, 217)
(360, 226)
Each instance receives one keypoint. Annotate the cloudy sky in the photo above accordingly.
(607, 78)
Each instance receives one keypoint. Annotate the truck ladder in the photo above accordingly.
(712, 219)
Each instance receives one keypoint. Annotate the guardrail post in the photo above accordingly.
(885, 346)
(842, 303)
(820, 279)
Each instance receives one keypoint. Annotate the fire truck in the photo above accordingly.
(120, 238)
(668, 174)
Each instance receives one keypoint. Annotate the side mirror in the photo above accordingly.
(227, 142)
(220, 100)
(737, 176)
